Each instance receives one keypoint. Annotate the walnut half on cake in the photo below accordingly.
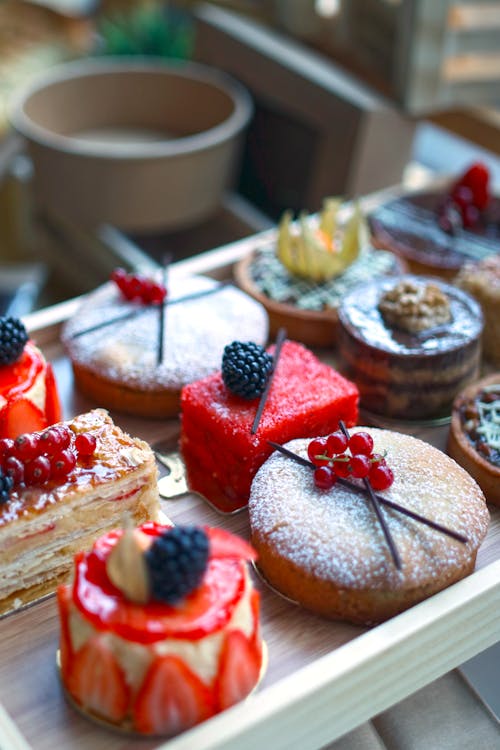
(68, 486)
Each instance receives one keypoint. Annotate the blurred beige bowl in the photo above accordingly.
(143, 145)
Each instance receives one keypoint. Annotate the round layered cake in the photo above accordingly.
(482, 281)
(135, 357)
(325, 549)
(160, 629)
(409, 345)
(474, 437)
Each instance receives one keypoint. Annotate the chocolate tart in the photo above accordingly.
(474, 437)
(408, 226)
(403, 374)
(307, 309)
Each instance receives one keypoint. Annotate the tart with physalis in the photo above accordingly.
(301, 278)
(28, 392)
(474, 437)
(160, 628)
(436, 231)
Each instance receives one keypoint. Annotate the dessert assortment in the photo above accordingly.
(134, 344)
(317, 539)
(435, 232)
(220, 448)
(160, 624)
(474, 437)
(409, 344)
(482, 281)
(302, 279)
(62, 488)
(160, 628)
(29, 399)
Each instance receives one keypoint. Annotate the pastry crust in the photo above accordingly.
(325, 549)
(116, 366)
(41, 528)
(460, 448)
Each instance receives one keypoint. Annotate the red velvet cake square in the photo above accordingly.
(307, 399)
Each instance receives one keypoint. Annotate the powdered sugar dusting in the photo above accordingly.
(196, 332)
(335, 536)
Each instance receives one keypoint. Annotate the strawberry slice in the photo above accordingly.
(52, 403)
(255, 607)
(97, 681)
(172, 698)
(223, 544)
(21, 416)
(239, 669)
(65, 648)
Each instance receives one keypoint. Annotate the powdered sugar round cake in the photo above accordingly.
(116, 365)
(326, 550)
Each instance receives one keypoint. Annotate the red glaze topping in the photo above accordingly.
(204, 611)
(21, 375)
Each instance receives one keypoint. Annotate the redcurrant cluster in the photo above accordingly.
(329, 455)
(467, 198)
(36, 457)
(138, 288)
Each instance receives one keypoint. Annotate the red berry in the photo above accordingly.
(85, 444)
(462, 196)
(477, 179)
(62, 463)
(37, 471)
(317, 447)
(51, 441)
(324, 478)
(157, 294)
(26, 446)
(119, 276)
(14, 468)
(470, 216)
(377, 459)
(341, 467)
(361, 442)
(133, 287)
(6, 449)
(336, 443)
(360, 466)
(65, 435)
(381, 477)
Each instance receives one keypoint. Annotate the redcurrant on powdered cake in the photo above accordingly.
(134, 344)
(321, 543)
(59, 490)
(220, 451)
(160, 629)
(435, 232)
(28, 393)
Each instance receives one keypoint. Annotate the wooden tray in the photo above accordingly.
(323, 679)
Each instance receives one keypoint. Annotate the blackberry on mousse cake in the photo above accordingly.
(409, 345)
(306, 398)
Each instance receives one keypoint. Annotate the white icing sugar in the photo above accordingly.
(334, 535)
(195, 334)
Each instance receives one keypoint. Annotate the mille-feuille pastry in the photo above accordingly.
(61, 489)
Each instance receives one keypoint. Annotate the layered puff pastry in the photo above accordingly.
(42, 527)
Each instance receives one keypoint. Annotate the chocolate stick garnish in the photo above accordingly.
(382, 500)
(144, 308)
(161, 311)
(280, 338)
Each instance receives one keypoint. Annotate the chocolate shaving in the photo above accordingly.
(161, 311)
(382, 500)
(280, 339)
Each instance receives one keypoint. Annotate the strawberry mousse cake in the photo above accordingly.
(28, 393)
(160, 627)
(134, 343)
(59, 490)
(220, 449)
